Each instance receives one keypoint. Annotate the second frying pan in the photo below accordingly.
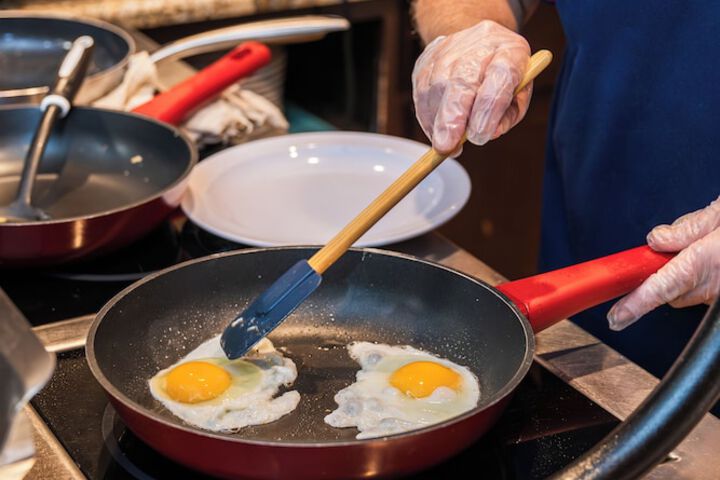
(367, 295)
(107, 177)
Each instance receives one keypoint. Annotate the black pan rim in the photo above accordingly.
(116, 394)
(114, 29)
(192, 161)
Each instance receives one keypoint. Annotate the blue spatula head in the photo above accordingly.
(266, 312)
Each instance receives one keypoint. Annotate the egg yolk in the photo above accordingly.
(420, 379)
(194, 382)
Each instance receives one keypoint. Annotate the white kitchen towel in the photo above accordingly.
(238, 115)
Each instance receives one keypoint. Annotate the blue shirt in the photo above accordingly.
(633, 142)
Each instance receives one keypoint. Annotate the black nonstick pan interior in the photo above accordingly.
(96, 160)
(368, 295)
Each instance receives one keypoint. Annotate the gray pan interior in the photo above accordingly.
(368, 295)
(96, 161)
(31, 49)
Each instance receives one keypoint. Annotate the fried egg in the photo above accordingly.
(400, 388)
(207, 390)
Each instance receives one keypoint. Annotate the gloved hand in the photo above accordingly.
(465, 81)
(691, 278)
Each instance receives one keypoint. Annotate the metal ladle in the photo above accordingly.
(55, 105)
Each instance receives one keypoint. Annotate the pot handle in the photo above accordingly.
(547, 298)
(177, 103)
(278, 30)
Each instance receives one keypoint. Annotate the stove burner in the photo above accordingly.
(79, 289)
(112, 432)
(136, 458)
(159, 249)
(546, 425)
(198, 242)
(164, 247)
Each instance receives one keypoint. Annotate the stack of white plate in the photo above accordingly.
(269, 81)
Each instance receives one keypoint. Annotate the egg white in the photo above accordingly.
(378, 409)
(255, 380)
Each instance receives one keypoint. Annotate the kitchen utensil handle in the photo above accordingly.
(547, 298)
(177, 103)
(326, 256)
(56, 103)
(73, 68)
(293, 29)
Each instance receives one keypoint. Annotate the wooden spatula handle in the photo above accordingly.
(326, 256)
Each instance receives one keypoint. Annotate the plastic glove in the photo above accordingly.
(466, 81)
(691, 278)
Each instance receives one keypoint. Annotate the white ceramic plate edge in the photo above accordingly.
(236, 154)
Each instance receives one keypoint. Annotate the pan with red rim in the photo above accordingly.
(368, 295)
(107, 177)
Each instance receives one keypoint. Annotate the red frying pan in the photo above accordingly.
(368, 295)
(107, 178)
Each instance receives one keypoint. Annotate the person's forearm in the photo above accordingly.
(443, 17)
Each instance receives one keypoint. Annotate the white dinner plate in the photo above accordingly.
(301, 189)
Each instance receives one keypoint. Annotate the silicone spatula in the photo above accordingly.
(269, 309)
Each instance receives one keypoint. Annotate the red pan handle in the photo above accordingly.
(547, 298)
(177, 103)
